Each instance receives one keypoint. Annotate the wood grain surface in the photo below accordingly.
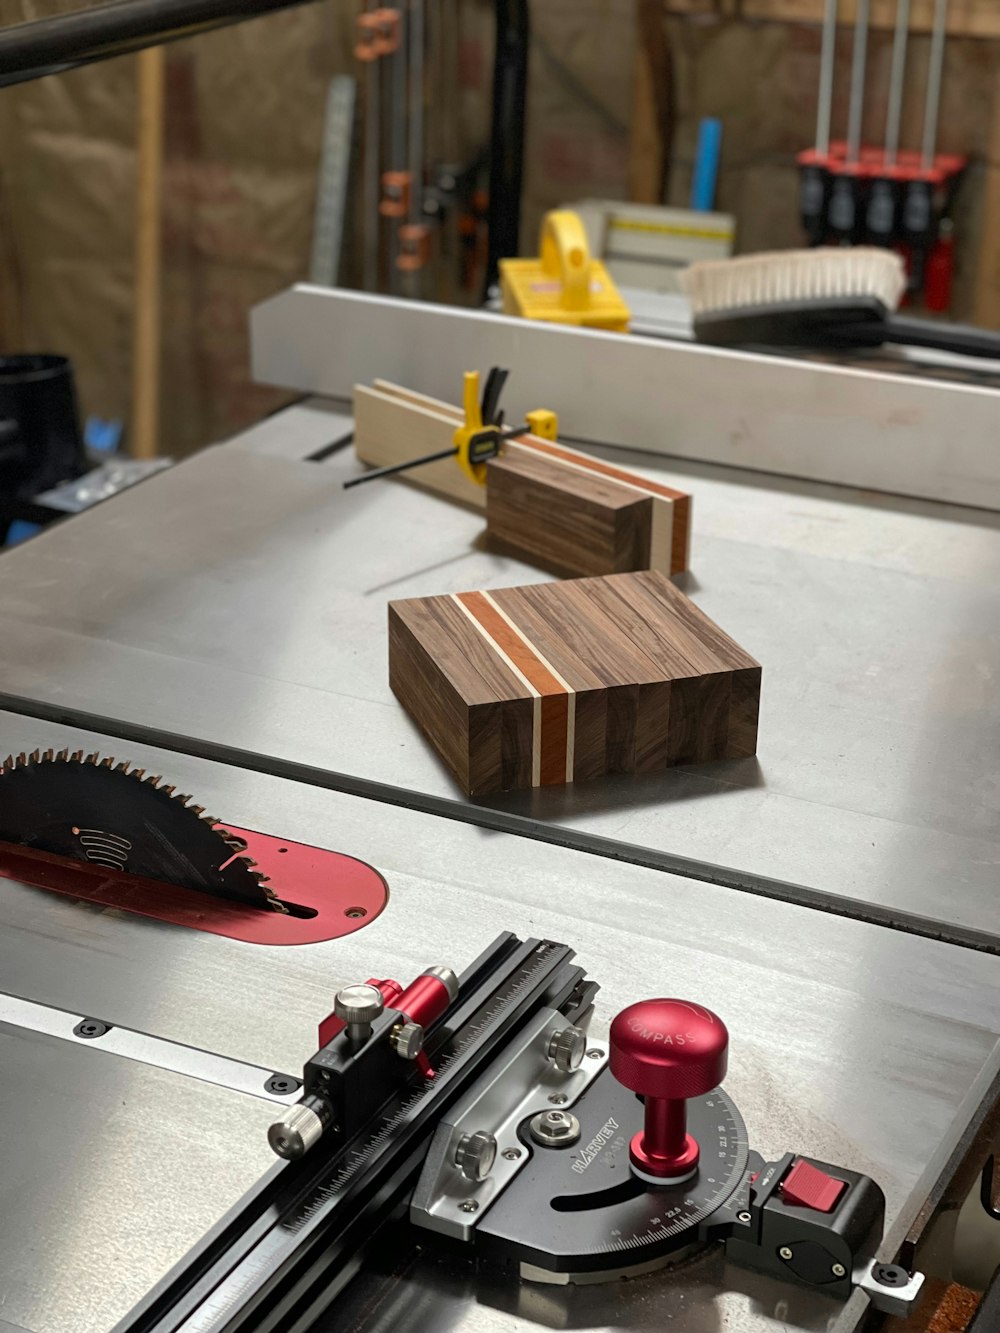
(565, 510)
(567, 681)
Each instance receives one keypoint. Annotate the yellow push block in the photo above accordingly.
(564, 285)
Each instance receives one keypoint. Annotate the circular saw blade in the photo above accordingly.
(91, 809)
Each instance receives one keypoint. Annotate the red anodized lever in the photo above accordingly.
(667, 1051)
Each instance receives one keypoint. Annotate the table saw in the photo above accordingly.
(355, 1051)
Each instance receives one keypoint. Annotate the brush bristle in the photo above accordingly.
(784, 276)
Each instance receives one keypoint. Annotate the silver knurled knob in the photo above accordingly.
(358, 1006)
(476, 1154)
(295, 1133)
(407, 1039)
(566, 1049)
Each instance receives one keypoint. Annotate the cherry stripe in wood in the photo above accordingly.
(551, 739)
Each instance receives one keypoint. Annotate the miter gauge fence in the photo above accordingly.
(481, 1110)
(90, 828)
(480, 437)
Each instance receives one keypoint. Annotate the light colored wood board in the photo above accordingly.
(423, 400)
(389, 430)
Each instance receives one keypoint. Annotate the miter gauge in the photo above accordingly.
(480, 1109)
(90, 809)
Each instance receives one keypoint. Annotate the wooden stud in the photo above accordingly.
(144, 434)
(553, 682)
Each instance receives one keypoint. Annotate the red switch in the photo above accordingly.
(808, 1187)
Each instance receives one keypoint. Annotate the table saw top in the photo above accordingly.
(239, 600)
(850, 1042)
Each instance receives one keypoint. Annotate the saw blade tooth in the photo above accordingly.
(34, 757)
(107, 762)
(210, 820)
(48, 756)
(181, 798)
(21, 759)
(198, 810)
(169, 791)
(153, 780)
(63, 755)
(77, 757)
(92, 758)
(8, 762)
(273, 901)
(123, 767)
(138, 774)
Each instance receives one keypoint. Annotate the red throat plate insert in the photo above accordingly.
(327, 894)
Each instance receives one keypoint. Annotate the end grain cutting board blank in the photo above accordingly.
(561, 682)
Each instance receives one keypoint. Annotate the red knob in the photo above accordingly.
(667, 1051)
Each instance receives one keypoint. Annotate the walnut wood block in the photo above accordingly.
(567, 511)
(567, 521)
(580, 515)
(557, 682)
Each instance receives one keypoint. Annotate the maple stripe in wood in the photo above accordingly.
(554, 721)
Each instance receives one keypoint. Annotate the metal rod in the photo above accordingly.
(50, 45)
(400, 467)
(372, 183)
(827, 61)
(416, 121)
(896, 79)
(510, 84)
(934, 75)
(860, 56)
(397, 137)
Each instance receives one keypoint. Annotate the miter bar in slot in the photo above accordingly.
(91, 809)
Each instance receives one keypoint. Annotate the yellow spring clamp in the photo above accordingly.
(477, 440)
(476, 443)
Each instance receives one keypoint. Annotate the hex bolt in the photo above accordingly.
(554, 1129)
(838, 1270)
(785, 1252)
(469, 1206)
